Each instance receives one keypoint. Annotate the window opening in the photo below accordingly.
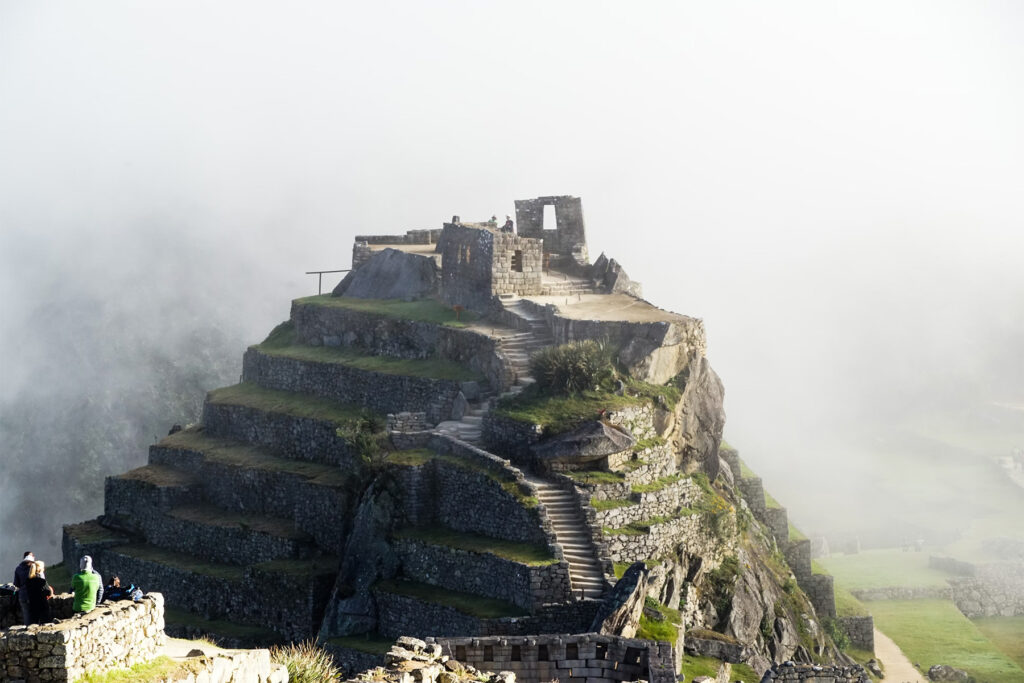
(517, 261)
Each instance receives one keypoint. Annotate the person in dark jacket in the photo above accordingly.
(39, 592)
(20, 581)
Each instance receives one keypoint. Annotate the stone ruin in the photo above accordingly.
(369, 478)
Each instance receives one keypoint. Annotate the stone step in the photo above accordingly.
(250, 480)
(294, 425)
(288, 596)
(219, 535)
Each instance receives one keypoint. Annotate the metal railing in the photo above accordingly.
(320, 277)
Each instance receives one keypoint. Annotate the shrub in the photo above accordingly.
(573, 368)
(836, 633)
(306, 663)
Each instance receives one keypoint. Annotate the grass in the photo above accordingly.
(558, 414)
(413, 457)
(665, 627)
(643, 527)
(659, 484)
(371, 643)
(881, 568)
(432, 368)
(795, 534)
(231, 453)
(526, 553)
(610, 504)
(596, 477)
(58, 576)
(159, 669)
(473, 605)
(181, 561)
(620, 567)
(847, 605)
(693, 666)
(288, 403)
(218, 627)
(644, 444)
(423, 310)
(934, 632)
(1006, 633)
(214, 516)
(92, 532)
(306, 663)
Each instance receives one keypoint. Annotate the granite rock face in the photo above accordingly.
(619, 615)
(392, 274)
(590, 441)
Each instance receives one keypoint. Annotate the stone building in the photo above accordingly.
(479, 262)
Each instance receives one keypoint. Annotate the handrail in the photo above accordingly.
(320, 277)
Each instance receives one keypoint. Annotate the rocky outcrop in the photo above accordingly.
(411, 659)
(590, 441)
(392, 274)
(610, 276)
(699, 417)
(944, 672)
(620, 613)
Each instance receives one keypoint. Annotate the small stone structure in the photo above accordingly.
(816, 674)
(479, 263)
(568, 238)
(589, 656)
(114, 635)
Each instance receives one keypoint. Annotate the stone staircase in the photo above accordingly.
(566, 286)
(574, 537)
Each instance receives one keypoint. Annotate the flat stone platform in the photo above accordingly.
(609, 307)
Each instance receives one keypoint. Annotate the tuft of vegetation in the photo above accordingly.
(658, 484)
(162, 668)
(643, 527)
(306, 663)
(721, 583)
(526, 553)
(366, 435)
(644, 444)
(836, 633)
(693, 666)
(610, 504)
(596, 476)
(422, 310)
(413, 457)
(573, 368)
(467, 603)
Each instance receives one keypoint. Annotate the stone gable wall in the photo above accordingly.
(528, 257)
(118, 634)
(378, 391)
(860, 630)
(484, 574)
(467, 260)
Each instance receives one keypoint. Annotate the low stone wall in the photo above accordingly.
(686, 531)
(820, 590)
(510, 438)
(816, 674)
(903, 593)
(860, 631)
(798, 557)
(777, 521)
(484, 574)
(589, 656)
(404, 422)
(996, 589)
(114, 635)
(351, 661)
(752, 491)
(226, 666)
(299, 438)
(421, 236)
(382, 336)
(378, 391)
(661, 503)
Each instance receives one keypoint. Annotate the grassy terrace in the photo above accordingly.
(288, 403)
(936, 632)
(93, 532)
(881, 568)
(613, 504)
(424, 310)
(214, 516)
(693, 666)
(596, 477)
(419, 456)
(644, 526)
(235, 454)
(159, 475)
(218, 627)
(473, 605)
(196, 565)
(526, 553)
(370, 643)
(659, 484)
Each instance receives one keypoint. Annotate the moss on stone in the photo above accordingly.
(163, 668)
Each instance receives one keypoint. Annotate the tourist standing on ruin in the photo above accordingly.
(20, 581)
(508, 227)
(39, 592)
(87, 587)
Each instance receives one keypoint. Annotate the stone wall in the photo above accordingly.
(806, 673)
(798, 557)
(351, 661)
(662, 503)
(478, 263)
(380, 335)
(567, 238)
(860, 631)
(517, 265)
(114, 635)
(820, 590)
(299, 438)
(686, 531)
(378, 391)
(422, 236)
(234, 666)
(903, 593)
(951, 566)
(484, 574)
(591, 657)
(510, 438)
(996, 589)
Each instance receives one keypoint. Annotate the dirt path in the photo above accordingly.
(898, 668)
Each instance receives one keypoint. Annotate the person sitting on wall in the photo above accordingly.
(115, 591)
(87, 587)
(39, 591)
(508, 227)
(20, 581)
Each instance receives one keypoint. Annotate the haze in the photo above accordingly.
(834, 187)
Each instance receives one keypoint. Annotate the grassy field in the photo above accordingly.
(1006, 633)
(878, 568)
(424, 310)
(934, 632)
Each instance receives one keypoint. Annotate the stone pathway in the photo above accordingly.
(898, 668)
(573, 536)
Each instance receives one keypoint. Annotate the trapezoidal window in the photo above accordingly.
(572, 651)
(517, 261)
(517, 653)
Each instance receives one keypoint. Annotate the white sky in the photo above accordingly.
(834, 187)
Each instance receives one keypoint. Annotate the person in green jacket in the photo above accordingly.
(86, 586)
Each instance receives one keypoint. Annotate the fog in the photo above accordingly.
(833, 187)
